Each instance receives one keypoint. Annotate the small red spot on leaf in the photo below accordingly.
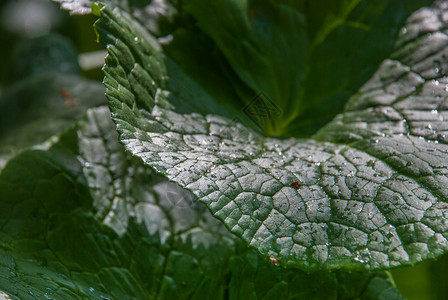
(69, 101)
(274, 261)
(295, 185)
(64, 93)
(253, 15)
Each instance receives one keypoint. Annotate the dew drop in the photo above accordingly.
(363, 256)
(136, 39)
(404, 30)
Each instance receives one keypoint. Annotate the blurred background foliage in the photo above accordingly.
(25, 20)
(21, 20)
(426, 280)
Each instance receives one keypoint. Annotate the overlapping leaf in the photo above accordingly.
(368, 191)
(309, 57)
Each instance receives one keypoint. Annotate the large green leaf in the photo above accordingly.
(83, 220)
(368, 192)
